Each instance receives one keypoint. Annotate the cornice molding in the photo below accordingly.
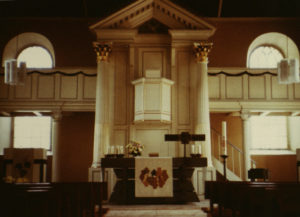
(164, 11)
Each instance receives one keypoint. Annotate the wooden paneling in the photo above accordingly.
(183, 86)
(3, 89)
(77, 135)
(120, 111)
(46, 87)
(257, 88)
(24, 91)
(281, 167)
(154, 141)
(297, 91)
(279, 91)
(234, 87)
(214, 87)
(89, 87)
(152, 96)
(74, 199)
(153, 60)
(120, 137)
(68, 87)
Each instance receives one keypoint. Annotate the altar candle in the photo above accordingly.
(121, 149)
(199, 149)
(224, 138)
(193, 149)
(112, 150)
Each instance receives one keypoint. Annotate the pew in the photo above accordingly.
(279, 199)
(77, 199)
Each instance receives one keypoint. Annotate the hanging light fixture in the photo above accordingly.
(288, 71)
(288, 68)
(14, 75)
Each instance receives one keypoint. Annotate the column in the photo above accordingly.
(102, 115)
(245, 116)
(202, 120)
(57, 158)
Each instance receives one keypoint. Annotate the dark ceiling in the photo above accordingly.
(103, 8)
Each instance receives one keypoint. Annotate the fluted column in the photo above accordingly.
(102, 128)
(245, 116)
(202, 120)
(57, 158)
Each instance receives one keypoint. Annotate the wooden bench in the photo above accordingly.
(77, 199)
(255, 198)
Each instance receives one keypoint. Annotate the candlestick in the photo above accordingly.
(224, 138)
(224, 166)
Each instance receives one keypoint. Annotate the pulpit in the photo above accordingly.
(124, 189)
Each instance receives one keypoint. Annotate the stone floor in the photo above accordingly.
(184, 210)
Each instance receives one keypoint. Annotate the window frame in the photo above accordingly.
(262, 46)
(32, 46)
(50, 136)
(271, 151)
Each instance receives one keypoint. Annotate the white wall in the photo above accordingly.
(5, 126)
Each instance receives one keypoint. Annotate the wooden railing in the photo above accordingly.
(235, 160)
(52, 199)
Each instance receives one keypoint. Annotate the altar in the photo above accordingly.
(124, 189)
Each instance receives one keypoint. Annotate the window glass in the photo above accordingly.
(269, 132)
(35, 57)
(32, 132)
(265, 57)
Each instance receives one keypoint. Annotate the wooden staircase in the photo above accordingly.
(235, 161)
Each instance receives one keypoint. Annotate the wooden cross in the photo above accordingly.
(185, 138)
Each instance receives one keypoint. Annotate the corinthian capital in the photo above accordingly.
(102, 50)
(201, 51)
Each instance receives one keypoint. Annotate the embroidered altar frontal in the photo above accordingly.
(153, 177)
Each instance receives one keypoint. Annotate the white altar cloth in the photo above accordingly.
(153, 177)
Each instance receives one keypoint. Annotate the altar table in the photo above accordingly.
(183, 189)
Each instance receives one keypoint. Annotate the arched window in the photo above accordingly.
(35, 57)
(269, 48)
(265, 57)
(29, 44)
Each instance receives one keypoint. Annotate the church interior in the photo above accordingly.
(208, 89)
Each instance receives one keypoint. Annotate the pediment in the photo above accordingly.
(153, 26)
(165, 12)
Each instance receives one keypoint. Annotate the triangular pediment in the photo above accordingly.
(164, 12)
(153, 26)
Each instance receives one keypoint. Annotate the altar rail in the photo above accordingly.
(52, 199)
(262, 199)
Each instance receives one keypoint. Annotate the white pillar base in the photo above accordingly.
(95, 174)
